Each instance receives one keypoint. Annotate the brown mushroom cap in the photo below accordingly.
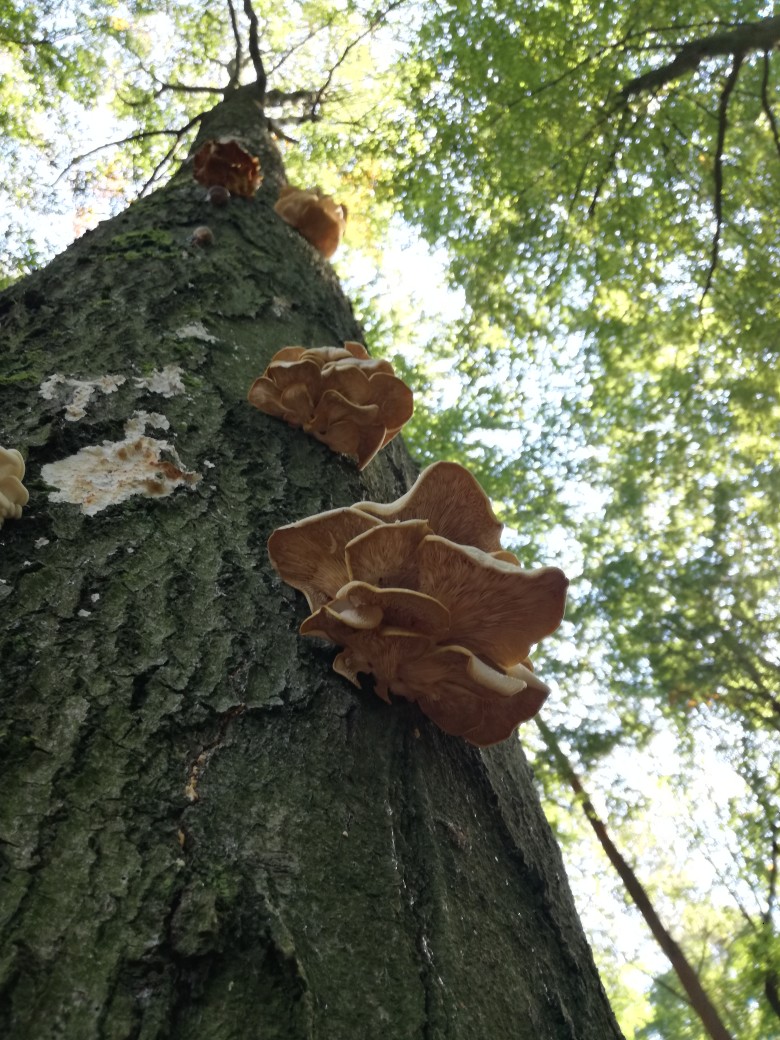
(496, 609)
(468, 699)
(438, 621)
(317, 217)
(224, 163)
(310, 554)
(341, 396)
(450, 499)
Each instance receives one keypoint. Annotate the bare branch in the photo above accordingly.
(277, 130)
(254, 47)
(237, 37)
(289, 97)
(718, 171)
(375, 21)
(142, 135)
(185, 88)
(765, 102)
(751, 36)
(170, 153)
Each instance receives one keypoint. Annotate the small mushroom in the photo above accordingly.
(218, 195)
(224, 163)
(202, 236)
(13, 494)
(353, 403)
(316, 216)
(443, 622)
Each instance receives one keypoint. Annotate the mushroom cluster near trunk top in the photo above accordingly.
(316, 216)
(353, 403)
(13, 494)
(420, 595)
(223, 163)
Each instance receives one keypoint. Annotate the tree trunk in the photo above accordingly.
(205, 832)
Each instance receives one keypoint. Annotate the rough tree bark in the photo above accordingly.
(204, 831)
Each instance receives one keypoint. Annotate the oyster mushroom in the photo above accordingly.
(13, 494)
(353, 403)
(439, 621)
(223, 163)
(316, 216)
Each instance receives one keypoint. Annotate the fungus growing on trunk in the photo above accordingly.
(317, 217)
(13, 494)
(224, 164)
(420, 595)
(353, 403)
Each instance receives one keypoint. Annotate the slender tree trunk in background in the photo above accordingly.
(697, 996)
(204, 831)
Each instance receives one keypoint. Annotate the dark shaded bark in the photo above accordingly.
(204, 831)
(697, 996)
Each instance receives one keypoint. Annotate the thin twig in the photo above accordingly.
(170, 153)
(612, 160)
(140, 136)
(373, 23)
(718, 171)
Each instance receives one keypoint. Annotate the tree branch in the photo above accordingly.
(170, 153)
(765, 105)
(752, 36)
(718, 171)
(254, 48)
(376, 20)
(140, 136)
(238, 59)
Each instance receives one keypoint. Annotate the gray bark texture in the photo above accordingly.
(205, 832)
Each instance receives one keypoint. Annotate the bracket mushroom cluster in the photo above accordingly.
(13, 494)
(420, 594)
(353, 403)
(316, 216)
(223, 163)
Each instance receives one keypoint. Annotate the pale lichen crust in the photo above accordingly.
(106, 474)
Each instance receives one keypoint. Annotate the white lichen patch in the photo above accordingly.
(165, 381)
(81, 391)
(138, 421)
(195, 330)
(103, 475)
